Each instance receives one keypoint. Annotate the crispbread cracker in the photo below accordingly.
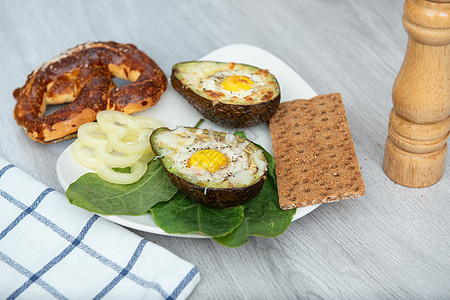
(314, 154)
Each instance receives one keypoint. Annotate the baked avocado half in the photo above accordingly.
(230, 94)
(216, 169)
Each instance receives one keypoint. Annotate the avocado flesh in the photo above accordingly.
(213, 195)
(238, 114)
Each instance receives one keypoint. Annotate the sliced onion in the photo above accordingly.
(116, 140)
(91, 134)
(147, 157)
(140, 142)
(115, 159)
(79, 153)
(111, 120)
(149, 123)
(108, 174)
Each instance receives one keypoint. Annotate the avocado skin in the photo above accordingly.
(229, 115)
(218, 198)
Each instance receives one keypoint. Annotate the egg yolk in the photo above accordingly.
(236, 83)
(209, 159)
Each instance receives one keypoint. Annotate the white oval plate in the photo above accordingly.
(173, 110)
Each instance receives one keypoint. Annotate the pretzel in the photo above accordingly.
(82, 76)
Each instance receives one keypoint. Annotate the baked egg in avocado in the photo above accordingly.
(213, 168)
(230, 94)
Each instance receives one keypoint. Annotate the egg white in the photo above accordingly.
(213, 83)
(205, 79)
(180, 144)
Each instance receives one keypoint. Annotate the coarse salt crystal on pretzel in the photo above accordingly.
(82, 76)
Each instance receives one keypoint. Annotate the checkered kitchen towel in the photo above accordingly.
(51, 248)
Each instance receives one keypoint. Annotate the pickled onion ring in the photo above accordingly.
(79, 154)
(107, 173)
(116, 140)
(116, 159)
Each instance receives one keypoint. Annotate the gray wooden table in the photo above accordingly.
(392, 243)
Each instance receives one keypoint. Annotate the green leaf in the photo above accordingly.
(182, 216)
(199, 123)
(99, 196)
(240, 133)
(122, 170)
(262, 217)
(177, 214)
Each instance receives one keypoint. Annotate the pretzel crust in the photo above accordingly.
(82, 76)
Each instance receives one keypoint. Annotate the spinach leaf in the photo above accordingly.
(262, 217)
(123, 170)
(181, 215)
(99, 196)
(176, 213)
(240, 133)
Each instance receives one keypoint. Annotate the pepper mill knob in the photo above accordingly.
(419, 123)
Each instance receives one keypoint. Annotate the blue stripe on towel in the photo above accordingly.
(25, 212)
(27, 273)
(61, 232)
(6, 168)
(56, 259)
(125, 271)
(186, 280)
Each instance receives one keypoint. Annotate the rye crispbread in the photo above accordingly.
(314, 153)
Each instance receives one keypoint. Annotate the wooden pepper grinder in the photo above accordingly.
(419, 123)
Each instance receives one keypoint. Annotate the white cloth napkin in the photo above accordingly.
(49, 247)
